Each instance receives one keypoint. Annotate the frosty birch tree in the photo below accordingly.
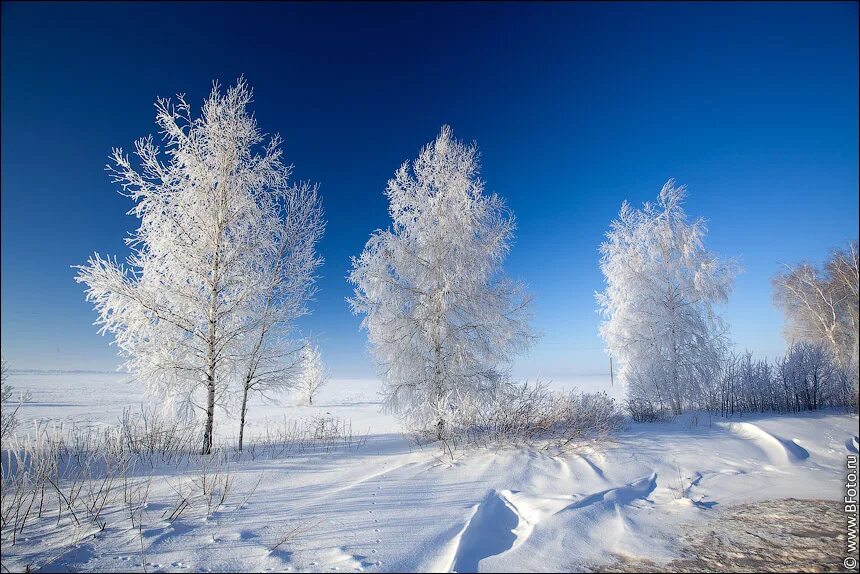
(313, 375)
(272, 361)
(183, 306)
(661, 285)
(441, 317)
(821, 306)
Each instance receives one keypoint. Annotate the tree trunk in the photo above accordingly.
(437, 371)
(675, 386)
(242, 415)
(213, 317)
(440, 391)
(210, 377)
(210, 384)
(210, 416)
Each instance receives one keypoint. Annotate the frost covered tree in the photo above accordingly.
(442, 319)
(185, 305)
(313, 375)
(821, 305)
(661, 286)
(272, 360)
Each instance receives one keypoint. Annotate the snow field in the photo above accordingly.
(390, 505)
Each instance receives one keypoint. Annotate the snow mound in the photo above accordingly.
(591, 467)
(488, 532)
(619, 496)
(777, 450)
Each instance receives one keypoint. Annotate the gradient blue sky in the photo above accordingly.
(575, 107)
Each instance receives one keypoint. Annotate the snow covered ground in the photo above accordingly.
(390, 505)
(100, 398)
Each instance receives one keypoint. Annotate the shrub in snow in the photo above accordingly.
(525, 413)
(8, 413)
(65, 477)
(658, 305)
(644, 410)
(8, 405)
(441, 318)
(807, 377)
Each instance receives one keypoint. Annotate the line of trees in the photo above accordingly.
(662, 286)
(224, 261)
(807, 377)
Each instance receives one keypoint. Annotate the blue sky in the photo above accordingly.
(575, 107)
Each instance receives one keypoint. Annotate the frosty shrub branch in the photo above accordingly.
(442, 320)
(221, 263)
(10, 403)
(661, 288)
